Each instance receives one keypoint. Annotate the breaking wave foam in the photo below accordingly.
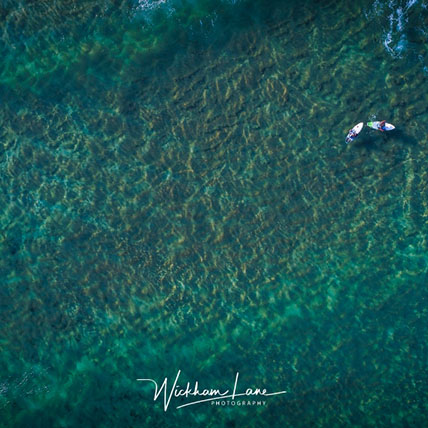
(397, 20)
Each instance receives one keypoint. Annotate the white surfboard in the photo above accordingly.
(353, 133)
(375, 125)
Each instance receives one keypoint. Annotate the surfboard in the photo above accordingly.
(375, 125)
(357, 129)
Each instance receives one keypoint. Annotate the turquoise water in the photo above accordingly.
(176, 194)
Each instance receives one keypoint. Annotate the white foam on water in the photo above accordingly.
(410, 3)
(375, 10)
(149, 4)
(400, 19)
(394, 36)
(388, 39)
(145, 8)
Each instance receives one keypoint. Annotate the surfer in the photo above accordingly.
(351, 136)
(381, 126)
(353, 133)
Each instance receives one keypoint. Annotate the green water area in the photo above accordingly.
(177, 201)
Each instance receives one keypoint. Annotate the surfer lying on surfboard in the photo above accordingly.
(381, 125)
(353, 133)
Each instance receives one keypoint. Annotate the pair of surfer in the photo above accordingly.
(380, 127)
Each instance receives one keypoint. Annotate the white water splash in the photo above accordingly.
(397, 12)
(150, 4)
(395, 39)
(145, 8)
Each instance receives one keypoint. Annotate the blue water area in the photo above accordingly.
(177, 198)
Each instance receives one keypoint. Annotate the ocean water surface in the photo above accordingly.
(176, 194)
